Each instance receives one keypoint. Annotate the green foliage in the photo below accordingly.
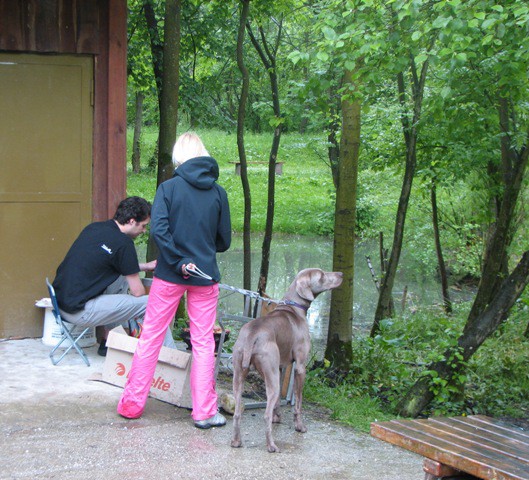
(478, 51)
(346, 403)
(498, 378)
(495, 381)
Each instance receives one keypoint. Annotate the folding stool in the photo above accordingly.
(68, 331)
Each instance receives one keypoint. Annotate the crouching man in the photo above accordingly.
(98, 282)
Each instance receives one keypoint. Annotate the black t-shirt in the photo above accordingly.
(96, 259)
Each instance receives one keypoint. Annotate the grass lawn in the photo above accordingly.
(304, 192)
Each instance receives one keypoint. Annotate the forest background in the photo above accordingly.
(404, 121)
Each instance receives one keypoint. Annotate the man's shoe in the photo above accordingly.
(102, 350)
(216, 420)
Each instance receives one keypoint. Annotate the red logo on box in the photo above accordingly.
(158, 383)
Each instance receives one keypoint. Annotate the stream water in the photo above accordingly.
(291, 253)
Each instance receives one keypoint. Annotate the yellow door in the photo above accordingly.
(45, 177)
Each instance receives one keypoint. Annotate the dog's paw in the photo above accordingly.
(301, 428)
(236, 443)
(273, 448)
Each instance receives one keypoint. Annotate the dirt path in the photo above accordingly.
(57, 423)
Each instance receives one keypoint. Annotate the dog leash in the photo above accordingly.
(196, 272)
(256, 296)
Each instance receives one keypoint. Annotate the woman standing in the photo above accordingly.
(190, 223)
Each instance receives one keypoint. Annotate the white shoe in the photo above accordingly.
(217, 420)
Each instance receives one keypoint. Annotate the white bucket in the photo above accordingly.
(51, 333)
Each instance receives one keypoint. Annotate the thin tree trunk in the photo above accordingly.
(440, 259)
(333, 150)
(168, 96)
(170, 88)
(384, 309)
(156, 45)
(136, 141)
(486, 323)
(495, 296)
(267, 54)
(339, 338)
(157, 66)
(241, 115)
(269, 227)
(514, 164)
(383, 252)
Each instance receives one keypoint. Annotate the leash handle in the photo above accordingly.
(196, 272)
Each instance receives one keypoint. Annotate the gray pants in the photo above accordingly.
(114, 307)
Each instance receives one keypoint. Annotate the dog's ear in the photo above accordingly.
(303, 289)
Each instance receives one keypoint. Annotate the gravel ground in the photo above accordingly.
(59, 422)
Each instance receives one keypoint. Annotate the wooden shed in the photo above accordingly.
(62, 139)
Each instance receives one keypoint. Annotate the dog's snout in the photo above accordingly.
(338, 278)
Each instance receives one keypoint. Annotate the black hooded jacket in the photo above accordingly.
(190, 222)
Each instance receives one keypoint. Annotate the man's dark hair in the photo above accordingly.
(136, 208)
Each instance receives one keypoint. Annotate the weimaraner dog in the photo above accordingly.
(275, 341)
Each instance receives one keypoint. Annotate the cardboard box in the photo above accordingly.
(171, 377)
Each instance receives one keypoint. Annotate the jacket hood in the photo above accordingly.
(201, 172)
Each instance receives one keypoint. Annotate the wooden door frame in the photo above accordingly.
(110, 117)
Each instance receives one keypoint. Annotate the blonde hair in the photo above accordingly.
(188, 145)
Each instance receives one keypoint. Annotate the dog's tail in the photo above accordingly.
(247, 354)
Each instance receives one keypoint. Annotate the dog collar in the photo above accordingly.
(295, 304)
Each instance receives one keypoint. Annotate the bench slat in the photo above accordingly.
(479, 463)
(479, 445)
(496, 425)
(488, 436)
(450, 446)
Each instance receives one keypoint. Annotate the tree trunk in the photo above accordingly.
(495, 296)
(241, 115)
(168, 98)
(486, 323)
(267, 54)
(383, 253)
(513, 165)
(333, 149)
(170, 87)
(156, 44)
(339, 349)
(136, 141)
(410, 136)
(269, 227)
(440, 259)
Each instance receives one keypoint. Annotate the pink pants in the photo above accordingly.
(164, 298)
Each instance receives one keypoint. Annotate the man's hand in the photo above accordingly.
(148, 267)
(136, 287)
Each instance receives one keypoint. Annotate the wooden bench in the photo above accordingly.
(477, 445)
(279, 167)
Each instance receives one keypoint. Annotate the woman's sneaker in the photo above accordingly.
(216, 420)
